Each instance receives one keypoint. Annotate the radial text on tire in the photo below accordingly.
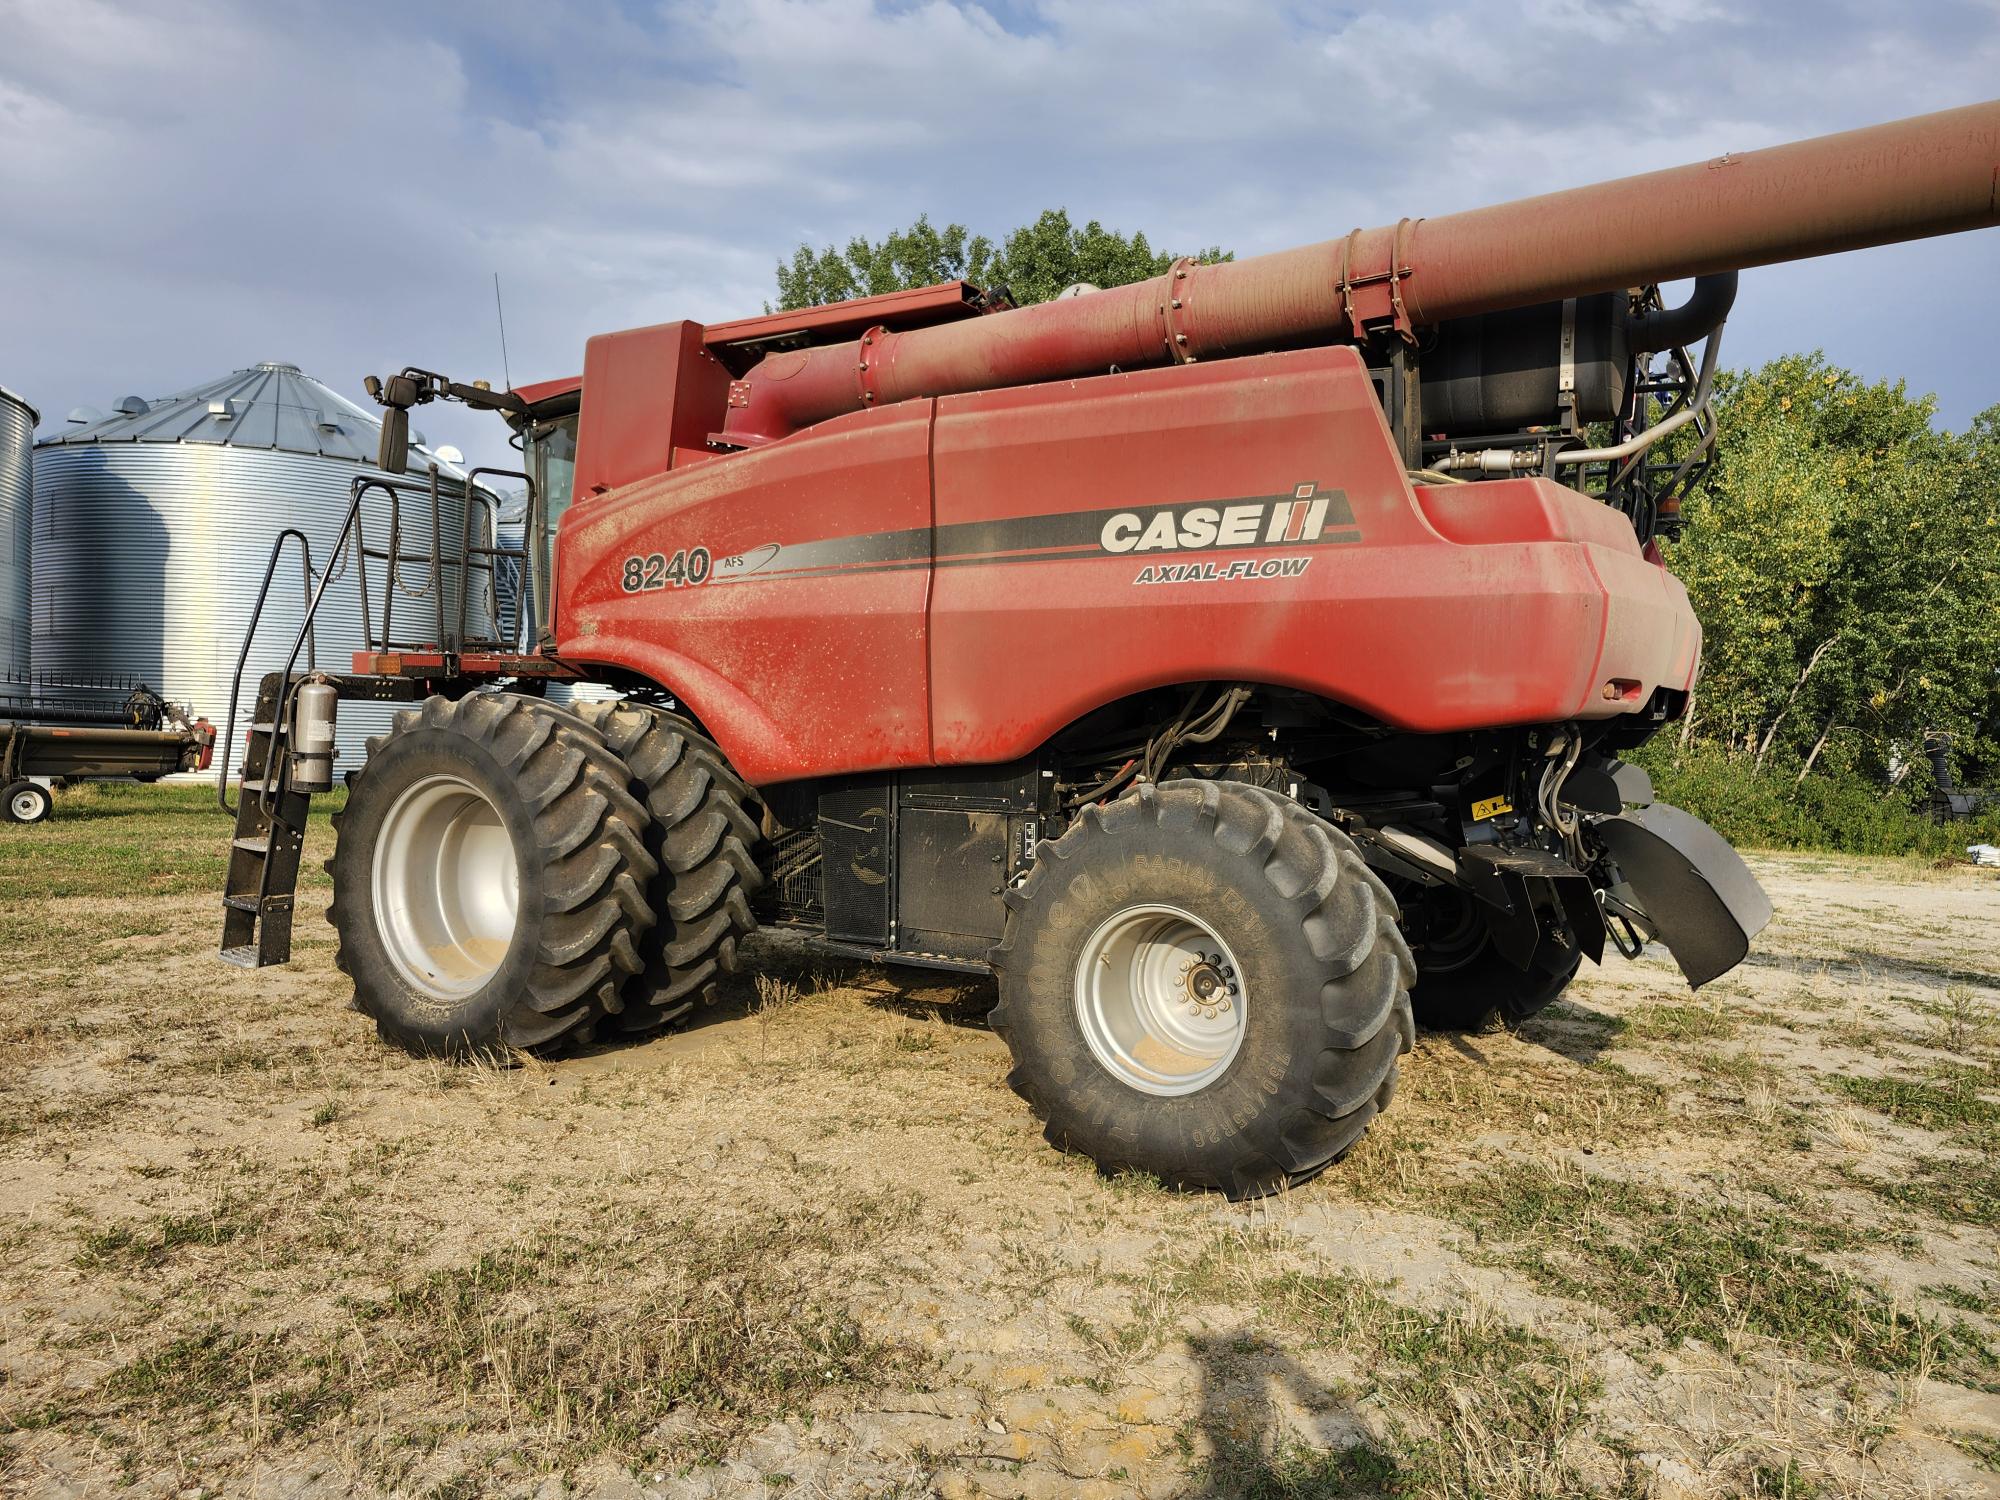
(489, 878)
(706, 837)
(1203, 982)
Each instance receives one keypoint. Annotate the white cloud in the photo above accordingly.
(203, 185)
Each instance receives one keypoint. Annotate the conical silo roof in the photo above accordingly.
(153, 528)
(273, 407)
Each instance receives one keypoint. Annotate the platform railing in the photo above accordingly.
(351, 543)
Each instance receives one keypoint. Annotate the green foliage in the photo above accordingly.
(1695, 1268)
(1956, 1102)
(1033, 262)
(1835, 808)
(1844, 557)
(121, 839)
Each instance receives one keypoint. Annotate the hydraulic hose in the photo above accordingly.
(1695, 319)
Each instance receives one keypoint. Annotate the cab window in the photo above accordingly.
(551, 463)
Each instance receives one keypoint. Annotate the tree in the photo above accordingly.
(1845, 562)
(1033, 262)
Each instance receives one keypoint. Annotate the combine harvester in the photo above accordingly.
(1228, 663)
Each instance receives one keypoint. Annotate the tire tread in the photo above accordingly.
(590, 840)
(1349, 919)
(707, 836)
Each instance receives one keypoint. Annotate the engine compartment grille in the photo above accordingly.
(795, 876)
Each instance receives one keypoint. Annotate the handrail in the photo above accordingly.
(437, 563)
(350, 526)
(467, 551)
(243, 657)
(394, 556)
(351, 541)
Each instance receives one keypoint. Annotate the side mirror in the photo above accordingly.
(394, 457)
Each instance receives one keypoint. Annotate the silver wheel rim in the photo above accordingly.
(447, 886)
(27, 806)
(1161, 1000)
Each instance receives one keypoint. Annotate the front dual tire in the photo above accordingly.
(509, 874)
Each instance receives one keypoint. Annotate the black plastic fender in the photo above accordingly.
(1608, 786)
(1693, 892)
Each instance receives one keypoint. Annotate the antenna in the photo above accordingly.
(501, 313)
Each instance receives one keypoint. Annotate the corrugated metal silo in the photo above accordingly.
(17, 489)
(153, 526)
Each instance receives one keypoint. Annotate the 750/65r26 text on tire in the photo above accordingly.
(1204, 982)
(489, 878)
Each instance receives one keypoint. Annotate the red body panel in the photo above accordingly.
(673, 393)
(913, 307)
(917, 307)
(538, 391)
(788, 674)
(954, 581)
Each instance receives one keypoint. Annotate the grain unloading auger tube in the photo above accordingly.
(1932, 175)
(1239, 666)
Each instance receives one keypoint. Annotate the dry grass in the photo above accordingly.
(1740, 1243)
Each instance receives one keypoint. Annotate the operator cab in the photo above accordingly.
(547, 440)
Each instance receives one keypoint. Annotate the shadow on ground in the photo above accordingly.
(1867, 966)
(1272, 1429)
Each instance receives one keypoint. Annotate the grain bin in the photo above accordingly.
(17, 439)
(153, 526)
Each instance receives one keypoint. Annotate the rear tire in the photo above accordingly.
(26, 802)
(1486, 989)
(489, 878)
(1191, 891)
(706, 837)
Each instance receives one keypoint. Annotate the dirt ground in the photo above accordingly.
(1652, 1244)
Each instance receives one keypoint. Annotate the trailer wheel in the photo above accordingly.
(489, 878)
(1463, 984)
(707, 837)
(1203, 982)
(26, 802)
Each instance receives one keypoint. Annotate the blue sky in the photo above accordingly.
(196, 186)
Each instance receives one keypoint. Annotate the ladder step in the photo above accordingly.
(245, 957)
(262, 908)
(260, 727)
(255, 846)
(256, 784)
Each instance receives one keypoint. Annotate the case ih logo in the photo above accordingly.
(1307, 515)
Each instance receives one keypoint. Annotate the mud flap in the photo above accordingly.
(1687, 888)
